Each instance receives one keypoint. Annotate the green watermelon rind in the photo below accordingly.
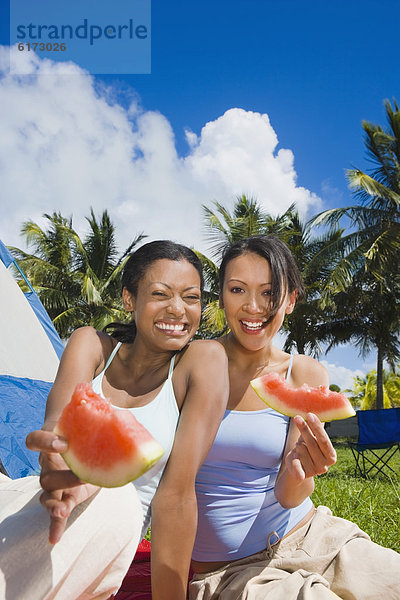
(276, 403)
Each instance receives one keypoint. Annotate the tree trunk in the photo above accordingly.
(300, 346)
(379, 379)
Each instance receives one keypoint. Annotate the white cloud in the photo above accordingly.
(67, 145)
(236, 154)
(341, 376)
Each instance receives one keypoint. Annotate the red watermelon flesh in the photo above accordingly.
(106, 447)
(327, 405)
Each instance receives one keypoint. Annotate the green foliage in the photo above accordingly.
(78, 281)
(334, 388)
(367, 314)
(246, 219)
(213, 323)
(363, 393)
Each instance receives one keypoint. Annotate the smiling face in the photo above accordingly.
(167, 306)
(246, 299)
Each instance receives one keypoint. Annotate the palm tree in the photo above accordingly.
(363, 393)
(303, 325)
(370, 251)
(380, 191)
(367, 316)
(246, 219)
(213, 323)
(77, 281)
(49, 267)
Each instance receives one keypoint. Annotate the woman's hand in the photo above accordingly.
(62, 490)
(313, 452)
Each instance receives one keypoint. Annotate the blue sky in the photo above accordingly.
(315, 68)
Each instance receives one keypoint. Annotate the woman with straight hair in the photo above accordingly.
(259, 535)
(177, 388)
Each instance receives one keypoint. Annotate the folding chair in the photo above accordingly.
(378, 441)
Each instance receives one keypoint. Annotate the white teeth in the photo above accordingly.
(171, 326)
(252, 325)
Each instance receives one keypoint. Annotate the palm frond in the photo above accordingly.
(364, 184)
(210, 271)
(214, 317)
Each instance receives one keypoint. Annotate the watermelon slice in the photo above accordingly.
(106, 447)
(327, 405)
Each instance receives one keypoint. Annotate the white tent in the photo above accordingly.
(29, 354)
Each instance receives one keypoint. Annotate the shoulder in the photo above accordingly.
(85, 335)
(203, 366)
(203, 352)
(86, 342)
(88, 337)
(308, 370)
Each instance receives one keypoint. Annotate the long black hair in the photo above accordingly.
(136, 267)
(285, 274)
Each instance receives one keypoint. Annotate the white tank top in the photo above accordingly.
(160, 417)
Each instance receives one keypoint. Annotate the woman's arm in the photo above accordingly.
(174, 508)
(308, 450)
(62, 490)
(82, 356)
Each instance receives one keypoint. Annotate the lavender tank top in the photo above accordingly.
(237, 508)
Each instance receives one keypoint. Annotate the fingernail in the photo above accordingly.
(59, 445)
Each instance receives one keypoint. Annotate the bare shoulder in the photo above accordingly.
(82, 358)
(90, 335)
(204, 366)
(87, 341)
(84, 335)
(308, 370)
(201, 384)
(205, 352)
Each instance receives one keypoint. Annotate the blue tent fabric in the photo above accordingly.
(22, 409)
(30, 349)
(5, 255)
(45, 322)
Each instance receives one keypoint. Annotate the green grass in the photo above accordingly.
(374, 504)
